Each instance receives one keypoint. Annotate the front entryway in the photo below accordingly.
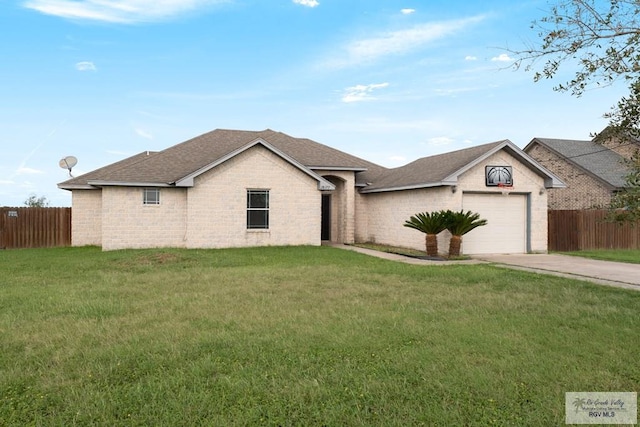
(326, 217)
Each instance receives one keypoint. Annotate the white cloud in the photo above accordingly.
(440, 140)
(361, 92)
(6, 182)
(143, 133)
(503, 57)
(407, 11)
(28, 171)
(308, 3)
(86, 66)
(399, 42)
(117, 11)
(470, 58)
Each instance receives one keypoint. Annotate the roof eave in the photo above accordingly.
(71, 187)
(99, 183)
(338, 168)
(410, 187)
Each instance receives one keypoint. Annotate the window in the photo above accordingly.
(257, 209)
(151, 196)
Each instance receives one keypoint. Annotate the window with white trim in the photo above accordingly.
(151, 196)
(257, 209)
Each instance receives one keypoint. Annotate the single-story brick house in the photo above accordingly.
(230, 188)
(592, 171)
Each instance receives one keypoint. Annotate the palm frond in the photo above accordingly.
(427, 222)
(460, 223)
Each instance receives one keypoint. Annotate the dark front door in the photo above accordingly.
(326, 217)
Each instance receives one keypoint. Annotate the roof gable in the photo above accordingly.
(444, 169)
(188, 181)
(591, 157)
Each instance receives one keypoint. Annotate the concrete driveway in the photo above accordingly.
(618, 274)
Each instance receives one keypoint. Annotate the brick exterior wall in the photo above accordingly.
(386, 212)
(625, 148)
(212, 214)
(582, 192)
(361, 226)
(128, 223)
(86, 218)
(218, 203)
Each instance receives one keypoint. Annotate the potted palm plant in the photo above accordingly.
(429, 223)
(459, 224)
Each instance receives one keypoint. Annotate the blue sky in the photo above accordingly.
(386, 80)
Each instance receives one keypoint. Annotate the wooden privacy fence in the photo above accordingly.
(34, 227)
(587, 229)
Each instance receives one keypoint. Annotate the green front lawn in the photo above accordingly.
(299, 336)
(620, 255)
(392, 249)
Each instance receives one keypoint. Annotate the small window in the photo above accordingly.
(151, 196)
(257, 209)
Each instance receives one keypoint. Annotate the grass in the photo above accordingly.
(299, 336)
(619, 255)
(405, 251)
(392, 249)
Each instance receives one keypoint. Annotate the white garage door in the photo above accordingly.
(506, 229)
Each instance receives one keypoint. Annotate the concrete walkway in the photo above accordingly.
(618, 274)
(400, 258)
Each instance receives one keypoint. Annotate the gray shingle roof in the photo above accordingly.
(599, 161)
(432, 171)
(176, 162)
(107, 172)
(177, 165)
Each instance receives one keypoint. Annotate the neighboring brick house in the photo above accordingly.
(627, 147)
(230, 188)
(591, 171)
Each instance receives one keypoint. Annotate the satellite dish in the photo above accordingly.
(68, 163)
